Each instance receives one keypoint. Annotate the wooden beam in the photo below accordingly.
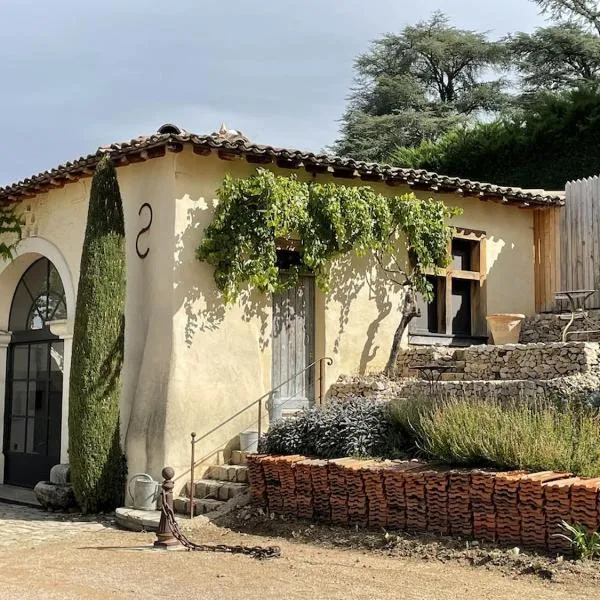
(316, 169)
(259, 159)
(345, 173)
(202, 150)
(448, 301)
(468, 234)
(156, 152)
(229, 155)
(174, 147)
(459, 274)
(289, 163)
(135, 158)
(371, 177)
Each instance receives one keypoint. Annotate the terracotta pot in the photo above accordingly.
(505, 328)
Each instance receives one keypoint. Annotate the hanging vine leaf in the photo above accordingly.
(328, 220)
(10, 231)
(408, 236)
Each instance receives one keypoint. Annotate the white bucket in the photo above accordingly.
(249, 441)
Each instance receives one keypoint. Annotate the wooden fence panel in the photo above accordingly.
(580, 238)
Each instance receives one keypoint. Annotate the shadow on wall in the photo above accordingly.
(205, 311)
(195, 288)
(349, 276)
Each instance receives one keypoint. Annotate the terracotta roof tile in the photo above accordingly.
(170, 137)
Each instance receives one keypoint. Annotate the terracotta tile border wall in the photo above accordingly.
(515, 507)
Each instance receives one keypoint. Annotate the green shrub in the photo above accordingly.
(97, 462)
(351, 427)
(523, 434)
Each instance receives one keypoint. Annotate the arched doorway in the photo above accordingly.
(33, 405)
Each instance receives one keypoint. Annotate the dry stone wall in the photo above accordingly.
(502, 372)
(384, 389)
(531, 361)
(549, 327)
(517, 507)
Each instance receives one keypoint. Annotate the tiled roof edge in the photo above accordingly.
(143, 148)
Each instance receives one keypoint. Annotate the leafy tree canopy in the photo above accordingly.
(556, 58)
(585, 12)
(417, 84)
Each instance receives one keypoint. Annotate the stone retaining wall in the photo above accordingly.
(519, 508)
(510, 361)
(531, 361)
(427, 355)
(548, 327)
(384, 389)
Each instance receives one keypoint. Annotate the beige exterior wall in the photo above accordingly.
(192, 364)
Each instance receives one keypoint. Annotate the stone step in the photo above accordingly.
(232, 473)
(238, 457)
(215, 489)
(181, 505)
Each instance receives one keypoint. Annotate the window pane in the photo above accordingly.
(461, 307)
(20, 361)
(54, 437)
(38, 361)
(55, 284)
(60, 312)
(462, 254)
(36, 406)
(37, 314)
(55, 307)
(36, 277)
(36, 436)
(17, 435)
(19, 398)
(56, 367)
(40, 297)
(20, 309)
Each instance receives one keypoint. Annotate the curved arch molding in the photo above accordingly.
(27, 251)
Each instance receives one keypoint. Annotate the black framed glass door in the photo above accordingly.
(33, 408)
(33, 420)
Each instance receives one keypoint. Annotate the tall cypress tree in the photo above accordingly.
(97, 461)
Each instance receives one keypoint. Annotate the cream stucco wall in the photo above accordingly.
(193, 365)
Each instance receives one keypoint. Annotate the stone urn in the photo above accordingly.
(57, 494)
(505, 328)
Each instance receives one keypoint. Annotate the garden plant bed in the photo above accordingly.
(515, 508)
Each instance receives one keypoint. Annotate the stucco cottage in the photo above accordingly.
(192, 364)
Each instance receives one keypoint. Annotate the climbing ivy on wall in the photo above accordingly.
(407, 235)
(327, 220)
(10, 231)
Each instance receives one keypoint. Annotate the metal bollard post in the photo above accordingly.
(164, 535)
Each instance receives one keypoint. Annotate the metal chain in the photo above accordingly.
(259, 552)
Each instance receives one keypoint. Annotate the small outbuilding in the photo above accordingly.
(193, 364)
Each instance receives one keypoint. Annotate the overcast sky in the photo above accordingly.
(78, 74)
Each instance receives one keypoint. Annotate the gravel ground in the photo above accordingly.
(108, 563)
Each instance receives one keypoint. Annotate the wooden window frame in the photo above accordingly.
(479, 259)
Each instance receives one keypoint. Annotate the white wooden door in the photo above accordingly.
(293, 349)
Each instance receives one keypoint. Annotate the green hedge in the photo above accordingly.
(551, 141)
(97, 461)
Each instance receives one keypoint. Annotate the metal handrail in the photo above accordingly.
(324, 360)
